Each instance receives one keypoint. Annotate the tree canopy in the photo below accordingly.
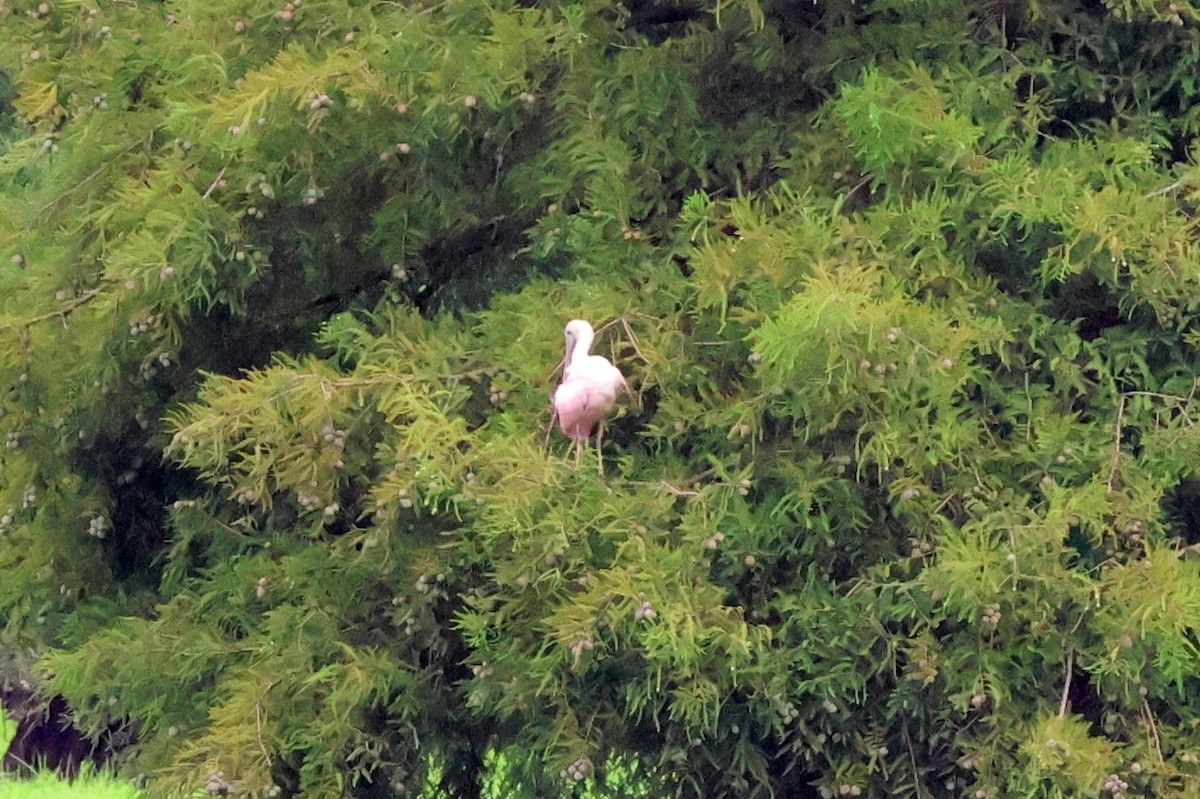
(903, 498)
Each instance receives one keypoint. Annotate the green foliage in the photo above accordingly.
(902, 500)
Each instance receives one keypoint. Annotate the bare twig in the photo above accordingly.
(1182, 403)
(866, 179)
(61, 313)
(550, 428)
(1153, 730)
(1029, 417)
(679, 492)
(633, 339)
(1066, 690)
(1116, 456)
(258, 718)
(688, 484)
(62, 197)
(1164, 190)
(216, 182)
(912, 756)
(624, 323)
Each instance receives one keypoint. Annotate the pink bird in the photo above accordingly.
(588, 390)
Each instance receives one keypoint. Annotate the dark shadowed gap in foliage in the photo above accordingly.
(283, 317)
(1088, 558)
(1083, 700)
(797, 23)
(140, 486)
(463, 770)
(46, 738)
(465, 268)
(7, 112)
(1073, 113)
(1011, 267)
(1006, 17)
(1181, 506)
(319, 268)
(219, 342)
(1082, 299)
(1095, 42)
(660, 20)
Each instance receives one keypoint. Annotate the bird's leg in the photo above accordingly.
(599, 448)
(578, 452)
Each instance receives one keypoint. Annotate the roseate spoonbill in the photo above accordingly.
(588, 390)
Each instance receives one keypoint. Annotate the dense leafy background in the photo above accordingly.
(906, 293)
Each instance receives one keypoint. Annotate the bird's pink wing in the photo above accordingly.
(576, 413)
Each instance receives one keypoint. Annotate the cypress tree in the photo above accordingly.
(901, 501)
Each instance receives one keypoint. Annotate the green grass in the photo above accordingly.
(8, 728)
(48, 786)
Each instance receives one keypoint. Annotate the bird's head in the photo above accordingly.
(579, 336)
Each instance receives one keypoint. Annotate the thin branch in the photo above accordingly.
(679, 492)
(213, 186)
(866, 179)
(1153, 729)
(912, 755)
(1066, 690)
(1163, 190)
(633, 339)
(688, 484)
(62, 197)
(61, 313)
(258, 719)
(1180, 402)
(1029, 412)
(1116, 456)
(550, 429)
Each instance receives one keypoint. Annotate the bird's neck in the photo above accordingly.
(579, 352)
